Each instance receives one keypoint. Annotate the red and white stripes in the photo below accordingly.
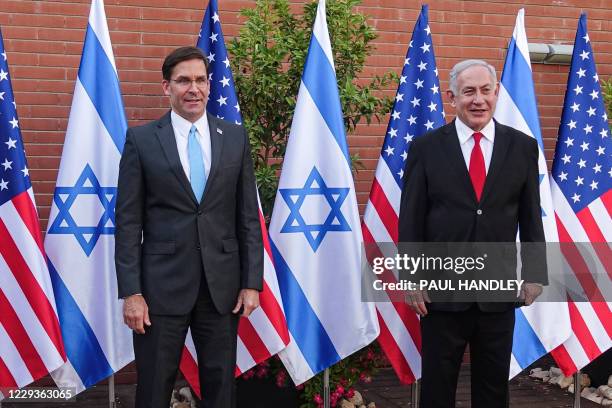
(261, 335)
(400, 334)
(29, 329)
(591, 321)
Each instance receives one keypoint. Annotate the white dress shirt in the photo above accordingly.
(467, 141)
(181, 127)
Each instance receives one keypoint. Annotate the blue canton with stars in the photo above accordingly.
(582, 166)
(14, 174)
(418, 105)
(315, 186)
(64, 223)
(222, 101)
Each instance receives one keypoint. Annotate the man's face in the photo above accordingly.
(476, 97)
(188, 89)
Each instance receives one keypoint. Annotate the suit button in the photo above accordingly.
(200, 212)
(479, 211)
(198, 248)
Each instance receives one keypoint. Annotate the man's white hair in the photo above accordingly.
(465, 64)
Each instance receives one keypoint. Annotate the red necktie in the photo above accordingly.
(477, 166)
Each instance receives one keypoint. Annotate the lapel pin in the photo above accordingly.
(219, 131)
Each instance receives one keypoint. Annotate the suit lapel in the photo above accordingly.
(501, 146)
(449, 144)
(166, 138)
(216, 146)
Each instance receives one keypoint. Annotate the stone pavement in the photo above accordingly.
(385, 390)
(525, 392)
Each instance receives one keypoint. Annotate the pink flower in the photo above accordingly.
(340, 390)
(317, 398)
(350, 393)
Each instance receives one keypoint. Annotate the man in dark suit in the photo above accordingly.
(188, 244)
(473, 180)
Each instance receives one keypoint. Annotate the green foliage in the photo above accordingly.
(268, 57)
(606, 90)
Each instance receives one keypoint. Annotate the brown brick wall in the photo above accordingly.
(43, 40)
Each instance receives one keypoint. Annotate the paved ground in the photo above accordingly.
(525, 392)
(385, 390)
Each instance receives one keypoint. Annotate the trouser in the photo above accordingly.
(444, 339)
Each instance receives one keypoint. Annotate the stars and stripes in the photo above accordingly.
(30, 337)
(581, 179)
(264, 333)
(222, 101)
(417, 109)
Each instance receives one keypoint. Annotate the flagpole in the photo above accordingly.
(326, 401)
(577, 389)
(111, 391)
(415, 388)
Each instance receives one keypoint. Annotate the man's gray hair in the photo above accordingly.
(462, 66)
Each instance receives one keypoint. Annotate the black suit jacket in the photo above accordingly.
(164, 236)
(439, 203)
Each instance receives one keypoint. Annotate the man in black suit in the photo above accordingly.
(188, 244)
(473, 180)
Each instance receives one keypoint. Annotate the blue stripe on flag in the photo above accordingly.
(320, 79)
(102, 85)
(302, 321)
(516, 78)
(81, 344)
(526, 346)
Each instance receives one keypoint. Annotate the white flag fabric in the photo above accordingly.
(315, 231)
(541, 327)
(80, 234)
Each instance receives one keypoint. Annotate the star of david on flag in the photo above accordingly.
(314, 232)
(80, 236)
(295, 198)
(66, 197)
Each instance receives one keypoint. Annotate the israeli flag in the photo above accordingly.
(315, 228)
(80, 235)
(542, 326)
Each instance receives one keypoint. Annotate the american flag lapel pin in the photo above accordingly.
(219, 131)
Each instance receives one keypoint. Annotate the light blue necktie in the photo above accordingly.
(197, 172)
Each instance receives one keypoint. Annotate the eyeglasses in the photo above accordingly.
(186, 82)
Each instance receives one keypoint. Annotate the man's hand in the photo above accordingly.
(529, 292)
(248, 300)
(136, 313)
(416, 300)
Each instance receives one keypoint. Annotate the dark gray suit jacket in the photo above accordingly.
(439, 203)
(164, 236)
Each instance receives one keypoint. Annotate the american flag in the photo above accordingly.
(264, 333)
(30, 337)
(581, 180)
(417, 109)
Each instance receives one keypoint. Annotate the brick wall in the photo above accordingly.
(43, 40)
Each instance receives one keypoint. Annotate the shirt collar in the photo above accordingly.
(184, 126)
(464, 132)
